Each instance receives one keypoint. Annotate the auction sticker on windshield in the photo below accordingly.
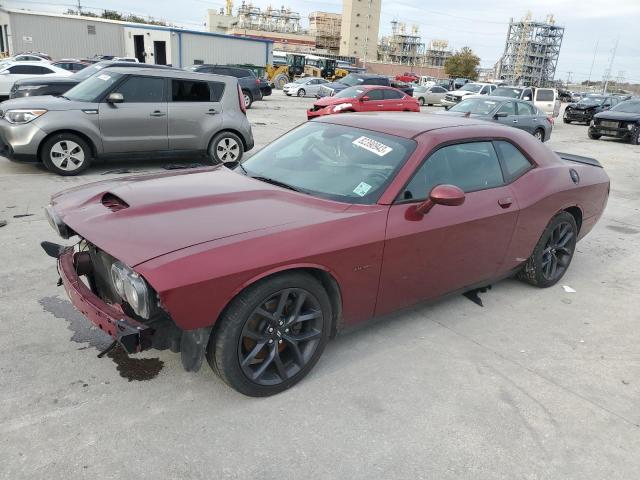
(372, 145)
(104, 77)
(362, 189)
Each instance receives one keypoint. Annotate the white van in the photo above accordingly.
(426, 81)
(546, 99)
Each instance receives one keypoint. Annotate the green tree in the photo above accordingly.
(112, 15)
(463, 63)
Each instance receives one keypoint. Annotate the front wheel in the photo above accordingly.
(66, 154)
(539, 134)
(566, 120)
(635, 136)
(271, 335)
(226, 147)
(301, 92)
(422, 102)
(552, 256)
(592, 135)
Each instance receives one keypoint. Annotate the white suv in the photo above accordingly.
(472, 88)
(12, 71)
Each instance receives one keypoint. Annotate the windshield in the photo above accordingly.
(335, 162)
(351, 80)
(507, 92)
(477, 106)
(87, 72)
(630, 106)
(302, 80)
(419, 89)
(351, 92)
(591, 100)
(92, 88)
(471, 87)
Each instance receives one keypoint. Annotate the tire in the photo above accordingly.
(258, 354)
(422, 102)
(560, 236)
(280, 81)
(635, 136)
(593, 136)
(301, 92)
(566, 120)
(226, 147)
(66, 154)
(248, 99)
(539, 134)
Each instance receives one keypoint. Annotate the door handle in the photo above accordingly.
(515, 121)
(157, 113)
(380, 105)
(212, 111)
(505, 202)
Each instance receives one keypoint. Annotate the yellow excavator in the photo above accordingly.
(297, 66)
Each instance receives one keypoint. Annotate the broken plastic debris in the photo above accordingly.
(3, 223)
(568, 289)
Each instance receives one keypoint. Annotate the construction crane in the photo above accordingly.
(522, 47)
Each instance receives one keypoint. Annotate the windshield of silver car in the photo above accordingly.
(335, 162)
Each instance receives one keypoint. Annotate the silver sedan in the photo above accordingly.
(429, 95)
(303, 87)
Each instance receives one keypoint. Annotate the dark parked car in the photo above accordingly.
(357, 79)
(587, 107)
(343, 219)
(71, 65)
(32, 87)
(513, 113)
(622, 121)
(250, 84)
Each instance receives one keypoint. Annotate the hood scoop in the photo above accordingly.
(113, 202)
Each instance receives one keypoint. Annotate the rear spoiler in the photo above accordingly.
(579, 159)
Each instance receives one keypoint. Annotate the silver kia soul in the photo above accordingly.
(128, 112)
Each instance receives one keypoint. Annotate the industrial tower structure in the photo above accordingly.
(531, 52)
(359, 29)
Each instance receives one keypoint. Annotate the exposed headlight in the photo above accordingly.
(29, 87)
(22, 116)
(131, 287)
(56, 222)
(341, 107)
(631, 126)
(592, 123)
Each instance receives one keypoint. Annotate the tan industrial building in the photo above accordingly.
(360, 28)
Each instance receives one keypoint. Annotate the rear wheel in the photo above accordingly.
(226, 147)
(301, 92)
(553, 253)
(539, 134)
(66, 154)
(592, 135)
(271, 335)
(247, 98)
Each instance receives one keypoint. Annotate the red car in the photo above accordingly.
(342, 219)
(365, 98)
(408, 77)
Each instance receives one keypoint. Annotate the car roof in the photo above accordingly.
(122, 63)
(400, 124)
(11, 63)
(170, 73)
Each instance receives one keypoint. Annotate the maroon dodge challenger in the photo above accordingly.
(343, 219)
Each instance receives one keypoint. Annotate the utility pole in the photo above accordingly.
(592, 63)
(569, 78)
(79, 8)
(613, 56)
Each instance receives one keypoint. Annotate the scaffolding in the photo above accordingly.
(531, 52)
(325, 27)
(281, 20)
(407, 48)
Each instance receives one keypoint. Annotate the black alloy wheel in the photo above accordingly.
(272, 334)
(280, 336)
(553, 253)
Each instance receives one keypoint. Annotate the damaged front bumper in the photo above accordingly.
(128, 332)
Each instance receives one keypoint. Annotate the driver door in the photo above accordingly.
(375, 102)
(449, 248)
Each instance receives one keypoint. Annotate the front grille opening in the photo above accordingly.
(113, 202)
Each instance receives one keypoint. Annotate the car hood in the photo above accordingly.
(620, 116)
(163, 213)
(337, 86)
(42, 80)
(582, 106)
(463, 93)
(46, 102)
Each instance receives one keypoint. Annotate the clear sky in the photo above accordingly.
(481, 25)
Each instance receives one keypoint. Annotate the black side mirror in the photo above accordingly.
(500, 115)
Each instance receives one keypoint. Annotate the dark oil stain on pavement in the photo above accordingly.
(84, 332)
(619, 229)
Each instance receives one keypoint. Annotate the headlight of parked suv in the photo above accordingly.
(28, 87)
(22, 116)
(131, 287)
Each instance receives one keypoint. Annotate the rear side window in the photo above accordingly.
(544, 95)
(142, 89)
(513, 161)
(28, 70)
(509, 108)
(375, 94)
(526, 109)
(393, 95)
(194, 91)
(470, 166)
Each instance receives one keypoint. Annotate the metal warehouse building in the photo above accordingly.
(67, 36)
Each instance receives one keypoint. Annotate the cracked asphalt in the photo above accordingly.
(537, 384)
